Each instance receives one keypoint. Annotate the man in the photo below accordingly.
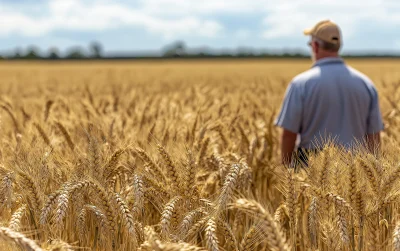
(331, 101)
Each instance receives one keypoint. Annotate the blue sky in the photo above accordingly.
(135, 25)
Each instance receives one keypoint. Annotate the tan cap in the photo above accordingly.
(327, 31)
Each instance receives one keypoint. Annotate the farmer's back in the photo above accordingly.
(330, 102)
(334, 101)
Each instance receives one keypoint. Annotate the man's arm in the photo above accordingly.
(374, 142)
(374, 125)
(288, 142)
(290, 119)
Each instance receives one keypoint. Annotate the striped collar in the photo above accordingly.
(329, 60)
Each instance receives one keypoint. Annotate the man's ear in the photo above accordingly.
(316, 46)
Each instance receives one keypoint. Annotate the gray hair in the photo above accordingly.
(326, 45)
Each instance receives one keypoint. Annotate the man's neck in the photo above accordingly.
(326, 59)
(327, 55)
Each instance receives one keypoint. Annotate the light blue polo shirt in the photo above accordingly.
(331, 101)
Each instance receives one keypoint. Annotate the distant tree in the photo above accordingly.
(177, 49)
(75, 53)
(54, 53)
(17, 53)
(96, 49)
(32, 53)
(202, 54)
(244, 52)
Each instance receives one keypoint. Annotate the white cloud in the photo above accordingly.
(288, 18)
(204, 7)
(76, 15)
(175, 18)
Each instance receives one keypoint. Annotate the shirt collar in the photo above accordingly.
(328, 60)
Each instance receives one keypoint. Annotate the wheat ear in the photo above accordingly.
(323, 177)
(341, 222)
(15, 222)
(396, 237)
(51, 200)
(229, 185)
(150, 163)
(276, 239)
(6, 189)
(212, 240)
(138, 188)
(25, 243)
(112, 163)
(190, 218)
(47, 109)
(190, 175)
(106, 202)
(313, 222)
(94, 158)
(15, 122)
(33, 190)
(230, 238)
(203, 151)
(42, 134)
(166, 216)
(104, 223)
(81, 223)
(291, 201)
(171, 169)
(249, 240)
(370, 173)
(66, 135)
(62, 207)
(126, 214)
(393, 177)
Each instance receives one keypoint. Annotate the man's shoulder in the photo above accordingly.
(362, 76)
(315, 74)
(306, 76)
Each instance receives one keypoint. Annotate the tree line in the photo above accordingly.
(32, 53)
(175, 50)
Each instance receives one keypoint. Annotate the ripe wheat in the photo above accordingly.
(183, 156)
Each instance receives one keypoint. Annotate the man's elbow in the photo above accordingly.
(288, 135)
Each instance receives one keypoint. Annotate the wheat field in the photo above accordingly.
(183, 155)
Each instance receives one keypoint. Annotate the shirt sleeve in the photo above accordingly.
(290, 115)
(374, 121)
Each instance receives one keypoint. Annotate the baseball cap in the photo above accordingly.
(325, 30)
